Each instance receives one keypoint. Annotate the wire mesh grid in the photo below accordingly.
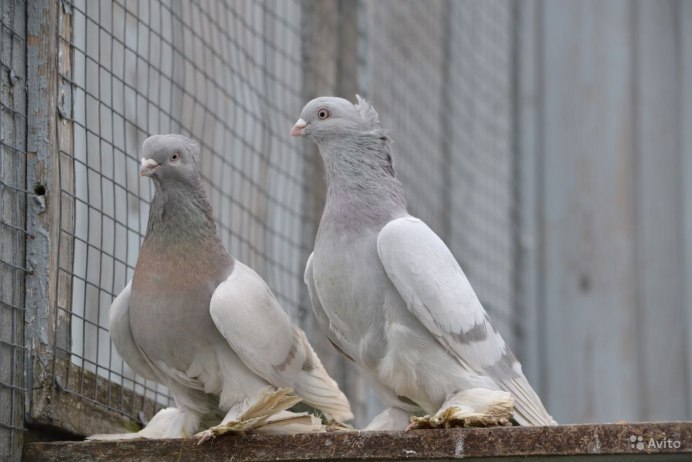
(483, 222)
(12, 223)
(440, 76)
(234, 75)
(225, 73)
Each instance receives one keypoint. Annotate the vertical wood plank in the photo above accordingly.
(659, 262)
(588, 224)
(527, 105)
(683, 14)
(13, 119)
(42, 211)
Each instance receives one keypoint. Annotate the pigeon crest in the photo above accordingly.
(367, 112)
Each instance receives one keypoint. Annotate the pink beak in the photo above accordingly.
(148, 167)
(297, 129)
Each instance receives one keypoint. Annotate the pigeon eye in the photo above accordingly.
(322, 113)
(175, 157)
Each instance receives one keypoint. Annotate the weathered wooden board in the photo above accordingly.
(13, 111)
(606, 443)
(527, 88)
(684, 30)
(661, 347)
(588, 212)
(604, 106)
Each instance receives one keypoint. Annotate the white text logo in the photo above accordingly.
(639, 443)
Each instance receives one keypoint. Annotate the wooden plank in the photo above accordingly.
(683, 13)
(44, 207)
(13, 117)
(528, 138)
(659, 267)
(88, 406)
(602, 443)
(588, 246)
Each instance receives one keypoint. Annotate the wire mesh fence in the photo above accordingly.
(234, 75)
(226, 74)
(440, 75)
(12, 223)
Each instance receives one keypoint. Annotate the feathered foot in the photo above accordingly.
(267, 415)
(477, 407)
(153, 430)
(334, 426)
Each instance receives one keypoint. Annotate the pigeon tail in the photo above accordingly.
(529, 410)
(320, 391)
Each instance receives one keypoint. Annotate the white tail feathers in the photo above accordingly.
(529, 410)
(320, 391)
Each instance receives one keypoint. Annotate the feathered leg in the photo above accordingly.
(268, 415)
(167, 423)
(476, 407)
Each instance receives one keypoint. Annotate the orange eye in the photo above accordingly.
(175, 157)
(322, 113)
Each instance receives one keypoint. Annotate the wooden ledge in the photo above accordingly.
(670, 441)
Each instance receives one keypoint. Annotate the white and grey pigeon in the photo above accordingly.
(390, 295)
(200, 322)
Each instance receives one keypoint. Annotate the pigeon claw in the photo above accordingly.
(206, 435)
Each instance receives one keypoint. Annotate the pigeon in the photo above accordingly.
(390, 295)
(203, 324)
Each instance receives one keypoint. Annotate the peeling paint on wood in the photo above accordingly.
(42, 209)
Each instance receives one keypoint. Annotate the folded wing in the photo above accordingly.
(439, 295)
(252, 321)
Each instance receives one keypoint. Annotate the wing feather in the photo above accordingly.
(437, 292)
(252, 321)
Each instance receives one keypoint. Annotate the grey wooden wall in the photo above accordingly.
(604, 120)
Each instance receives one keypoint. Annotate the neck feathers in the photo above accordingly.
(181, 221)
(361, 179)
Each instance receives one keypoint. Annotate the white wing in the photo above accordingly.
(121, 334)
(251, 320)
(438, 293)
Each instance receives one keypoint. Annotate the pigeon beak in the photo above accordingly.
(148, 167)
(297, 129)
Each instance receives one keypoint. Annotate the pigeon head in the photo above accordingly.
(326, 118)
(170, 159)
